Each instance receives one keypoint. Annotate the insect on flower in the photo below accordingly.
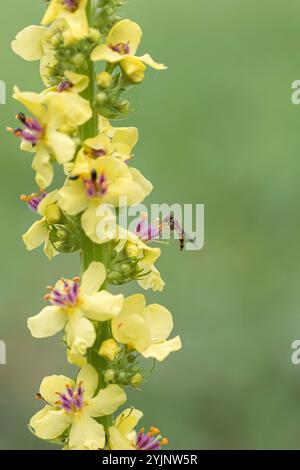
(153, 232)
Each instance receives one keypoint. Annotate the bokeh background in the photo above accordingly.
(217, 128)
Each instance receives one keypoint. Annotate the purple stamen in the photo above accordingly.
(122, 48)
(98, 153)
(67, 296)
(95, 186)
(32, 132)
(74, 401)
(33, 200)
(64, 85)
(71, 5)
(148, 441)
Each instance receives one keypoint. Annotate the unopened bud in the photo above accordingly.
(104, 79)
(94, 35)
(136, 380)
(123, 106)
(109, 349)
(101, 98)
(125, 268)
(134, 69)
(132, 250)
(78, 59)
(109, 375)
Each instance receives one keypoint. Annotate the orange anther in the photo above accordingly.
(164, 441)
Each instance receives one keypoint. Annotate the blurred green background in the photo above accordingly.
(217, 128)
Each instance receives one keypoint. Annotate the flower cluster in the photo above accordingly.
(88, 60)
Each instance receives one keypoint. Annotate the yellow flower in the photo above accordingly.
(72, 408)
(122, 136)
(121, 46)
(101, 181)
(147, 256)
(45, 133)
(119, 146)
(109, 349)
(145, 329)
(33, 43)
(122, 435)
(74, 14)
(38, 233)
(74, 307)
(77, 109)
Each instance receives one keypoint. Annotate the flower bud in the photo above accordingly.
(132, 250)
(115, 277)
(122, 378)
(109, 349)
(55, 40)
(104, 79)
(94, 35)
(123, 106)
(52, 214)
(136, 380)
(134, 69)
(109, 375)
(125, 268)
(101, 98)
(78, 60)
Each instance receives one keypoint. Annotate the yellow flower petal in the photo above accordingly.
(134, 332)
(144, 184)
(80, 82)
(51, 12)
(152, 280)
(118, 441)
(103, 52)
(49, 423)
(49, 200)
(76, 359)
(49, 249)
(29, 42)
(36, 235)
(32, 101)
(72, 197)
(89, 378)
(52, 386)
(47, 323)
(102, 306)
(127, 32)
(80, 333)
(128, 420)
(93, 278)
(99, 228)
(107, 401)
(126, 135)
(147, 59)
(43, 168)
(160, 322)
(161, 350)
(134, 304)
(67, 110)
(86, 433)
(61, 145)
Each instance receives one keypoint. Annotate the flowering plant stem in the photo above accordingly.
(105, 334)
(91, 251)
